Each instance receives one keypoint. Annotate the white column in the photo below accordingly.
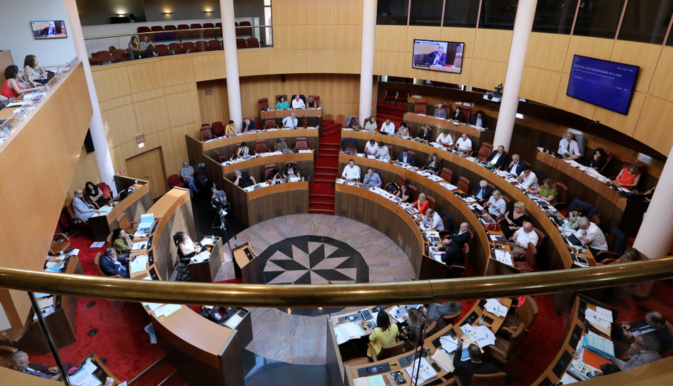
(523, 24)
(367, 58)
(103, 160)
(231, 60)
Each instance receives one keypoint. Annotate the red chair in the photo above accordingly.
(162, 49)
(484, 151)
(270, 123)
(175, 182)
(390, 95)
(175, 48)
(188, 47)
(143, 29)
(260, 146)
(201, 46)
(183, 34)
(301, 144)
(446, 174)
(263, 103)
(238, 31)
(402, 96)
(159, 36)
(431, 201)
(206, 132)
(463, 184)
(267, 170)
(93, 61)
(171, 32)
(240, 44)
(218, 156)
(245, 28)
(120, 55)
(209, 33)
(421, 106)
(196, 34)
(103, 57)
(105, 188)
(214, 45)
(219, 31)
(253, 43)
(218, 129)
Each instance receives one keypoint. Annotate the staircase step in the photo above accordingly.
(159, 370)
(320, 211)
(174, 380)
(320, 200)
(325, 145)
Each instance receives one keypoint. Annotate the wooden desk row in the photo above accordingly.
(437, 125)
(297, 112)
(222, 143)
(135, 204)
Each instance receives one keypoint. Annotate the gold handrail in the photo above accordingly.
(412, 292)
(176, 31)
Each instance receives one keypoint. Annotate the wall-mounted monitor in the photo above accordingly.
(602, 83)
(438, 56)
(51, 29)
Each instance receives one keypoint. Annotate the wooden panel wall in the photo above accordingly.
(87, 170)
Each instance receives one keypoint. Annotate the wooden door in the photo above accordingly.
(149, 166)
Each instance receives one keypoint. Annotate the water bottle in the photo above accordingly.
(61, 255)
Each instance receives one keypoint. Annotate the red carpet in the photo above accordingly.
(321, 196)
(394, 112)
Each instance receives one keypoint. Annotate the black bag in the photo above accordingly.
(391, 188)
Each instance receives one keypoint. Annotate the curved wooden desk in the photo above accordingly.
(438, 125)
(133, 205)
(223, 143)
(298, 113)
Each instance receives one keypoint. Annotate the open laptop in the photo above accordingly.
(574, 240)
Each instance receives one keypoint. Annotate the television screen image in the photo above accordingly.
(602, 83)
(52, 29)
(438, 56)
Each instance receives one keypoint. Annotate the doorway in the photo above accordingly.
(149, 166)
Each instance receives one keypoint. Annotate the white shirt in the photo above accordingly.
(388, 128)
(464, 144)
(568, 147)
(495, 159)
(290, 122)
(298, 104)
(351, 173)
(479, 123)
(529, 182)
(496, 208)
(371, 149)
(370, 126)
(445, 139)
(524, 238)
(595, 235)
(436, 224)
(383, 154)
(517, 168)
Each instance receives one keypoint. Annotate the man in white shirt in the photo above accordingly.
(383, 153)
(445, 138)
(496, 204)
(432, 220)
(351, 172)
(298, 103)
(591, 235)
(463, 143)
(528, 180)
(519, 241)
(516, 166)
(568, 147)
(371, 148)
(388, 128)
(290, 121)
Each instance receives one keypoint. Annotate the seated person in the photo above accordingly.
(496, 205)
(370, 125)
(111, 264)
(437, 310)
(654, 326)
(371, 148)
(598, 160)
(628, 177)
(351, 172)
(403, 131)
(388, 128)
(290, 121)
(548, 191)
(134, 48)
(498, 158)
(466, 369)
(433, 164)
(34, 73)
(445, 138)
(403, 193)
(573, 218)
(312, 104)
(421, 204)
(479, 120)
(516, 166)
(186, 247)
(437, 57)
(122, 242)
(230, 128)
(243, 179)
(482, 192)
(568, 147)
(432, 220)
(453, 245)
(630, 255)
(440, 112)
(11, 87)
(383, 153)
(384, 333)
(513, 221)
(282, 104)
(94, 194)
(279, 145)
(291, 171)
(463, 143)
(458, 115)
(82, 209)
(147, 48)
(518, 243)
(406, 158)
(372, 178)
(242, 152)
(248, 125)
(591, 235)
(275, 175)
(298, 103)
(20, 362)
(528, 180)
(187, 174)
(425, 135)
(643, 350)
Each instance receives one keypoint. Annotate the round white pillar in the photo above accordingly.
(231, 60)
(367, 58)
(97, 127)
(523, 24)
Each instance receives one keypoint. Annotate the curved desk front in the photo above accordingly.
(133, 205)
(226, 145)
(437, 125)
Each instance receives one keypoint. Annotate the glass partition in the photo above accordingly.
(461, 13)
(426, 12)
(554, 16)
(646, 21)
(498, 14)
(598, 18)
(392, 12)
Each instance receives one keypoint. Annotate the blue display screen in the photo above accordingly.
(602, 83)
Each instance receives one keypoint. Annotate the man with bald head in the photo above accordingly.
(654, 325)
(21, 363)
(519, 241)
(516, 166)
(82, 209)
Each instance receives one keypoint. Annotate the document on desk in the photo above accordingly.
(345, 331)
(167, 310)
(85, 375)
(600, 321)
(152, 306)
(444, 360)
(487, 336)
(233, 321)
(139, 263)
(139, 245)
(599, 345)
(97, 244)
(425, 371)
(604, 313)
(495, 307)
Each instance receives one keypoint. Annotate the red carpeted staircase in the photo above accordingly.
(321, 197)
(394, 112)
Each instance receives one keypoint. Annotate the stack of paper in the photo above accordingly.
(146, 222)
(201, 257)
(85, 377)
(398, 313)
(444, 360)
(425, 372)
(139, 245)
(376, 380)
(600, 346)
(486, 337)
(345, 331)
(448, 343)
(166, 310)
(495, 307)
(138, 264)
(233, 321)
(601, 318)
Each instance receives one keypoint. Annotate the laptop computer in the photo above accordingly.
(574, 240)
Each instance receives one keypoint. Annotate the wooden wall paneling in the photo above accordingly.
(282, 37)
(144, 76)
(391, 38)
(493, 44)
(150, 94)
(587, 46)
(149, 165)
(486, 74)
(163, 139)
(87, 170)
(121, 152)
(390, 63)
(346, 37)
(662, 81)
(152, 115)
(120, 125)
(465, 35)
(184, 108)
(624, 123)
(210, 66)
(416, 32)
(567, 103)
(178, 70)
(653, 125)
(111, 82)
(539, 85)
(114, 103)
(212, 106)
(256, 62)
(281, 13)
(179, 133)
(547, 51)
(345, 12)
(643, 55)
(254, 88)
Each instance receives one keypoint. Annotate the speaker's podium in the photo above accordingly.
(246, 266)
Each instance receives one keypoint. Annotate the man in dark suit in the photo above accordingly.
(516, 166)
(437, 57)
(466, 369)
(406, 158)
(482, 192)
(479, 120)
(21, 363)
(498, 158)
(654, 325)
(454, 245)
(112, 265)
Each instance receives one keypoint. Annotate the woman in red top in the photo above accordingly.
(11, 88)
(628, 177)
(421, 204)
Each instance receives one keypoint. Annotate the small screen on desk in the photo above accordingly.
(575, 338)
(149, 242)
(153, 274)
(154, 228)
(562, 364)
(150, 256)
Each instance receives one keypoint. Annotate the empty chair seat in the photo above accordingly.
(238, 31)
(183, 35)
(188, 47)
(209, 33)
(463, 184)
(270, 123)
(103, 57)
(263, 103)
(143, 29)
(260, 146)
(171, 32)
(245, 28)
(201, 46)
(214, 45)
(240, 43)
(301, 144)
(159, 35)
(162, 49)
(120, 55)
(219, 31)
(218, 129)
(175, 48)
(252, 43)
(196, 34)
(421, 106)
(174, 181)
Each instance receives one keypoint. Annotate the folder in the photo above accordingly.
(594, 360)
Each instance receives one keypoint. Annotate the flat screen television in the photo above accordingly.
(438, 56)
(51, 29)
(602, 83)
